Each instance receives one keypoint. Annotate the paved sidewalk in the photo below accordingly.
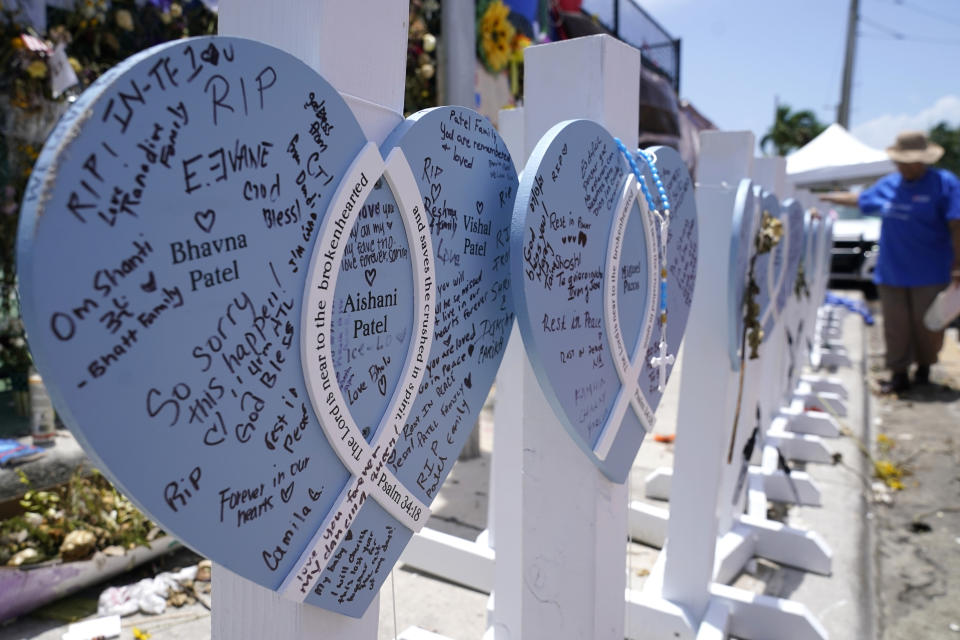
(918, 527)
(843, 602)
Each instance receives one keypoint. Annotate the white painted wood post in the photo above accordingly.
(243, 610)
(506, 457)
(561, 536)
(771, 174)
(725, 159)
(359, 47)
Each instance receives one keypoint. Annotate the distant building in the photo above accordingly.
(664, 118)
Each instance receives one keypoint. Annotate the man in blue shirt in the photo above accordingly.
(919, 252)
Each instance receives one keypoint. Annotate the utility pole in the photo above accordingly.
(843, 111)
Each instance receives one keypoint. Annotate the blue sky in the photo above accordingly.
(740, 56)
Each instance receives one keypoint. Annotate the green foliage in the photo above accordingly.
(87, 502)
(420, 91)
(791, 130)
(949, 139)
(97, 35)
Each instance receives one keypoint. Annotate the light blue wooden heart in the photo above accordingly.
(586, 286)
(746, 216)
(769, 269)
(166, 239)
(795, 247)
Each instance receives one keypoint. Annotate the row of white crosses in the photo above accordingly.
(690, 578)
(371, 80)
(812, 328)
(536, 491)
(523, 419)
(539, 476)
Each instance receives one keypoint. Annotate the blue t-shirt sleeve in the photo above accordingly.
(870, 199)
(951, 195)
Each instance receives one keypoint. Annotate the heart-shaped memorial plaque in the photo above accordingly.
(236, 302)
(814, 234)
(760, 269)
(746, 216)
(586, 273)
(793, 234)
(769, 268)
(826, 242)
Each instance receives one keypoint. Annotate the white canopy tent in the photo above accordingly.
(835, 157)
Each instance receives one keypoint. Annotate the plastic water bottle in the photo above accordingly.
(41, 412)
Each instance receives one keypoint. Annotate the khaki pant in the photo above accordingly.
(907, 339)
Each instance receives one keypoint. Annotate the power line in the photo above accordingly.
(893, 34)
(928, 13)
(903, 38)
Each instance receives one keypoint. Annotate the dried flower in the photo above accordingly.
(37, 69)
(800, 287)
(427, 71)
(124, 20)
(176, 10)
(767, 237)
(890, 472)
(770, 233)
(429, 42)
(520, 43)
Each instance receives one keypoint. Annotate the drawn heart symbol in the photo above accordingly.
(205, 219)
(479, 207)
(370, 275)
(151, 284)
(211, 54)
(218, 429)
(588, 310)
(434, 192)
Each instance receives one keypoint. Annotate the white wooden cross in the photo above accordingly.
(560, 522)
(371, 79)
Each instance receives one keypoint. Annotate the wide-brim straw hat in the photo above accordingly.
(913, 146)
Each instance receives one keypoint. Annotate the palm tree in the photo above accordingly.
(949, 139)
(791, 130)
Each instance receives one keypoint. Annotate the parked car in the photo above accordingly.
(856, 238)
